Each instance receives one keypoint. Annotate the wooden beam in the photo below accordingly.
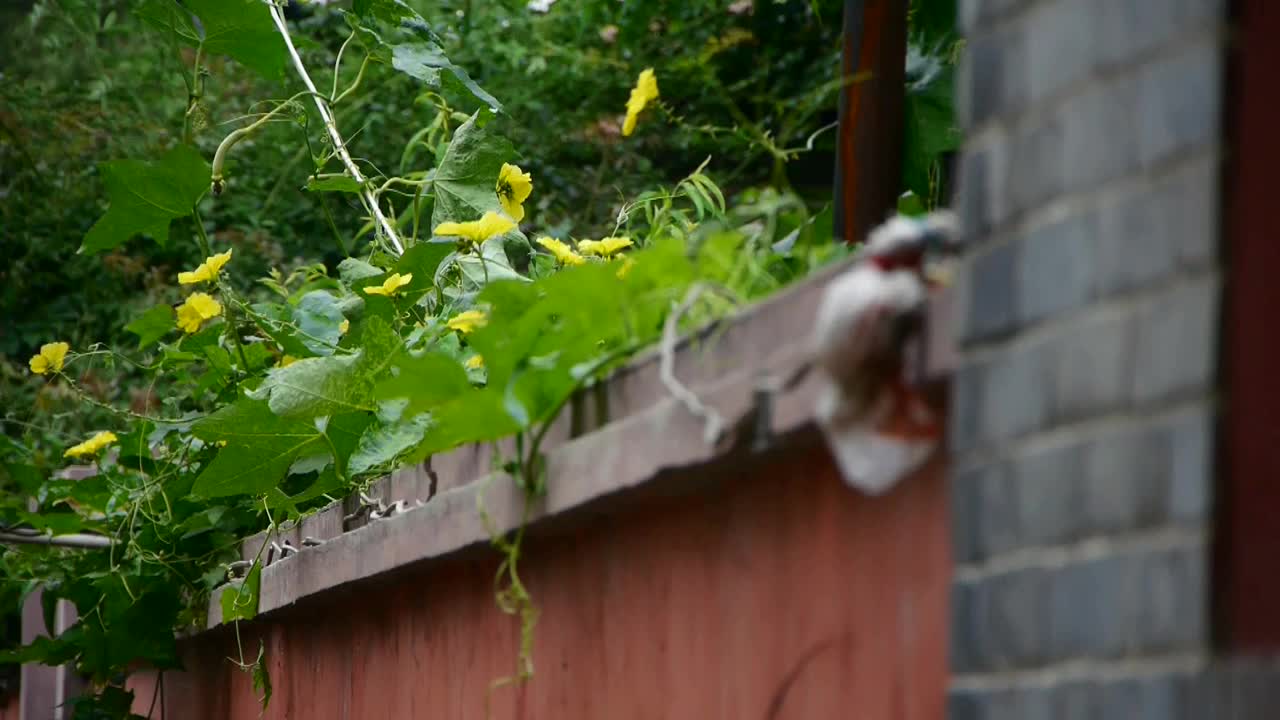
(869, 151)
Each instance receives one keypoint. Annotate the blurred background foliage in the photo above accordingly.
(752, 85)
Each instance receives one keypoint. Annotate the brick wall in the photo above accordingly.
(1083, 411)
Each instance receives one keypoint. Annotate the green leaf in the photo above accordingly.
(48, 651)
(249, 469)
(312, 387)
(311, 463)
(352, 269)
(344, 433)
(422, 260)
(319, 318)
(392, 11)
(466, 179)
(427, 382)
(477, 416)
(425, 60)
(168, 17)
(412, 47)
(57, 523)
(929, 128)
(240, 602)
(380, 445)
(152, 325)
(327, 484)
(275, 321)
(341, 183)
(261, 676)
(332, 385)
(260, 448)
(145, 197)
(244, 31)
(489, 266)
(26, 478)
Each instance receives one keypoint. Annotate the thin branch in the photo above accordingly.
(340, 148)
(713, 423)
(75, 540)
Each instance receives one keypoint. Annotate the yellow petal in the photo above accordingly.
(475, 362)
(205, 271)
(199, 275)
(39, 364)
(92, 446)
(467, 322)
(646, 90)
(344, 326)
(611, 245)
(215, 262)
(50, 358)
(607, 247)
(512, 208)
(477, 231)
(197, 308)
(391, 285)
(513, 188)
(561, 251)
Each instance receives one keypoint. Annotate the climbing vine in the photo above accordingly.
(453, 319)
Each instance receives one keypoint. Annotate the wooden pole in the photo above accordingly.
(869, 153)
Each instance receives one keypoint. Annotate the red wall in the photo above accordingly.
(776, 593)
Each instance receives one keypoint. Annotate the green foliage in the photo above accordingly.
(240, 602)
(463, 181)
(145, 197)
(304, 386)
(241, 29)
(418, 53)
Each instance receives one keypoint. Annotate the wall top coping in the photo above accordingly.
(629, 423)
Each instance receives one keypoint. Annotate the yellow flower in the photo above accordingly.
(50, 358)
(345, 325)
(467, 322)
(475, 362)
(206, 271)
(390, 286)
(198, 308)
(286, 361)
(561, 251)
(92, 446)
(514, 186)
(626, 268)
(606, 247)
(646, 89)
(477, 231)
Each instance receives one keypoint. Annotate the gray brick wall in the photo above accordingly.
(1083, 410)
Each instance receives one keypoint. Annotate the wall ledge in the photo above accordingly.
(628, 424)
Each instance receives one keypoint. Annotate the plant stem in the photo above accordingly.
(356, 83)
(328, 216)
(337, 64)
(201, 239)
(220, 155)
(194, 91)
(339, 147)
